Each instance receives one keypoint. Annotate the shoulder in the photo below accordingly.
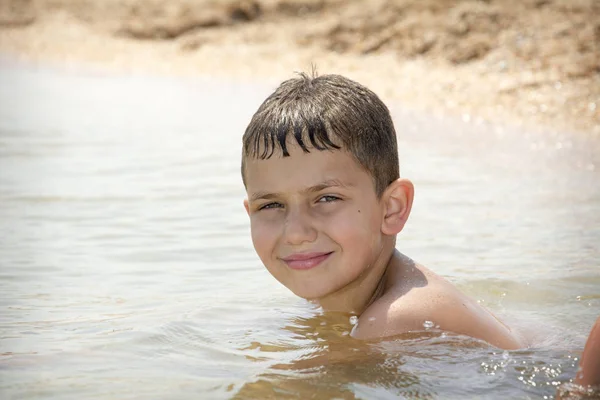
(396, 313)
(439, 303)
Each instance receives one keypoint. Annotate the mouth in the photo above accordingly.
(304, 261)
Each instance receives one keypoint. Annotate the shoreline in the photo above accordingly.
(272, 49)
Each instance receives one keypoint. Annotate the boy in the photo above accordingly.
(326, 201)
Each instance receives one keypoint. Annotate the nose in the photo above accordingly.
(299, 228)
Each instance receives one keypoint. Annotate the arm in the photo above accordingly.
(589, 366)
(588, 375)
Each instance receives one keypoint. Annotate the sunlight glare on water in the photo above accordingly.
(127, 270)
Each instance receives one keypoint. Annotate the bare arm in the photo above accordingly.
(589, 366)
(588, 375)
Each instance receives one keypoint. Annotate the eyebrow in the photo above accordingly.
(311, 189)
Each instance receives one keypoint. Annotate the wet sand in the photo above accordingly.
(533, 62)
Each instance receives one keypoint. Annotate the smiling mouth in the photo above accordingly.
(304, 261)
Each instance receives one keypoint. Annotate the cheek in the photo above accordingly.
(264, 236)
(353, 229)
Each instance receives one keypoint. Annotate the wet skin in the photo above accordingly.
(321, 230)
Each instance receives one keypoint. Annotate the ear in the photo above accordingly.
(246, 206)
(397, 203)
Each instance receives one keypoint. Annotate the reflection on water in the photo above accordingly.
(427, 364)
(127, 271)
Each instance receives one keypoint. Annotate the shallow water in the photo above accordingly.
(127, 271)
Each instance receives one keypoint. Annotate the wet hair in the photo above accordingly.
(328, 112)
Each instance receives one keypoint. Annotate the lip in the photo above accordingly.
(304, 261)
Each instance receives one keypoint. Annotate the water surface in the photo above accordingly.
(127, 270)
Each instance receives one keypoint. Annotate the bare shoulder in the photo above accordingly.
(416, 295)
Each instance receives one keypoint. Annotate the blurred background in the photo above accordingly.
(531, 61)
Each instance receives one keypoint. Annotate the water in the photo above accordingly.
(127, 270)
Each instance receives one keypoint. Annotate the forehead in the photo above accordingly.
(301, 170)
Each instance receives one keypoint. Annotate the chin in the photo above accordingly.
(310, 295)
(312, 292)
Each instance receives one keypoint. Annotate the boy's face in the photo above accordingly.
(315, 219)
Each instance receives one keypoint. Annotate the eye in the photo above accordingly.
(328, 199)
(269, 206)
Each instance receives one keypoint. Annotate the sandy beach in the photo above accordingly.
(531, 62)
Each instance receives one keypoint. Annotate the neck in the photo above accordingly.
(357, 296)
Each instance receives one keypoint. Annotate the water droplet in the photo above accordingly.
(353, 320)
(428, 324)
(371, 319)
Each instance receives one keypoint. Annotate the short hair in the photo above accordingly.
(328, 112)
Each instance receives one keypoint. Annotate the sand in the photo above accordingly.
(529, 62)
